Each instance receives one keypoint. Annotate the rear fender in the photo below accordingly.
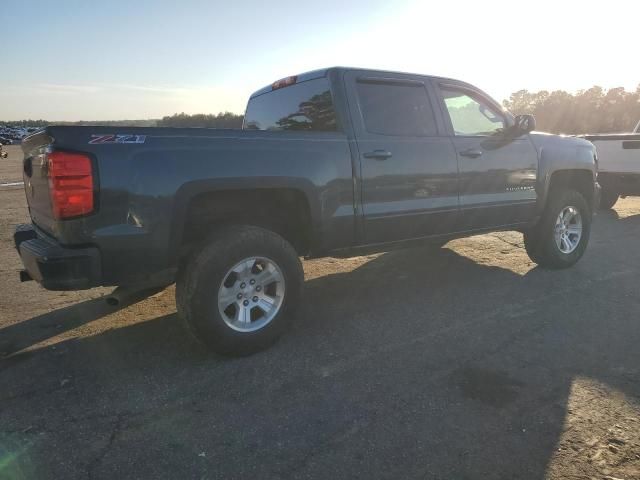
(187, 192)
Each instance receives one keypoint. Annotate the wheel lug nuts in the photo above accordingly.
(239, 296)
(252, 281)
(255, 299)
(243, 285)
(258, 288)
(245, 303)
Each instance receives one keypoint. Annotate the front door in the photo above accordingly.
(498, 168)
(408, 167)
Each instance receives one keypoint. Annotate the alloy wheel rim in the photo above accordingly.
(251, 294)
(568, 229)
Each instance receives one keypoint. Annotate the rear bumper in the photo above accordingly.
(56, 267)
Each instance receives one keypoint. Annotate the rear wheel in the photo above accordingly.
(561, 236)
(608, 198)
(239, 291)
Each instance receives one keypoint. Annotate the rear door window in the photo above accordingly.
(305, 106)
(398, 109)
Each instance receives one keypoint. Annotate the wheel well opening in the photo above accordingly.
(283, 211)
(579, 180)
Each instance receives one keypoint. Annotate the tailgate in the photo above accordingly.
(36, 181)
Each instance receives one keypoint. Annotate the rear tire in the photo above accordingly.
(250, 270)
(553, 245)
(608, 198)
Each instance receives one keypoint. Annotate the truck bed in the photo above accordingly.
(617, 153)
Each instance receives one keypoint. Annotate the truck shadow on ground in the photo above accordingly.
(421, 363)
(22, 335)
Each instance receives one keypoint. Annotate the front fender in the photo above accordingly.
(562, 154)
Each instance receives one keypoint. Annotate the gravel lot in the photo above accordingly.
(464, 362)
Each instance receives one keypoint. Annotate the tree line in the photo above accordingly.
(108, 123)
(204, 120)
(24, 123)
(595, 110)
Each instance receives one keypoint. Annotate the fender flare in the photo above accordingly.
(187, 192)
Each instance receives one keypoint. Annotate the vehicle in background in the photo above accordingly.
(15, 134)
(336, 162)
(2, 153)
(618, 165)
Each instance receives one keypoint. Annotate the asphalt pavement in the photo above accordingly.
(461, 362)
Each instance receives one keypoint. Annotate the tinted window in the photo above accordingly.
(396, 109)
(303, 106)
(470, 116)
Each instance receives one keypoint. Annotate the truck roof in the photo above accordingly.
(322, 72)
(301, 77)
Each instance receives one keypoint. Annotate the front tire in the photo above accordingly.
(561, 236)
(238, 293)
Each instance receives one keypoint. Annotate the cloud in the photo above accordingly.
(112, 101)
(66, 88)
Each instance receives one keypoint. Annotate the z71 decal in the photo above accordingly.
(117, 138)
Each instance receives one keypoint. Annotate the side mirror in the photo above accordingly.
(525, 123)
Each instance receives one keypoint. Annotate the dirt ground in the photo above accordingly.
(461, 362)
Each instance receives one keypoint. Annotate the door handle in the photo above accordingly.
(378, 154)
(472, 153)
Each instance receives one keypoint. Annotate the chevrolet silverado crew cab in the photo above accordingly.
(618, 165)
(332, 162)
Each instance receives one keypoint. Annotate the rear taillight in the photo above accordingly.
(70, 184)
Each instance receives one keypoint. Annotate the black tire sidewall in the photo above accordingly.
(199, 294)
(531, 245)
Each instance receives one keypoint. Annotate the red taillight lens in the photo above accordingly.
(70, 184)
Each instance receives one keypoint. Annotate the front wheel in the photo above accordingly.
(561, 236)
(238, 292)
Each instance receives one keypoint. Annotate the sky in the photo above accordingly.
(83, 60)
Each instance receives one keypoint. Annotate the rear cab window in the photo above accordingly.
(396, 108)
(304, 106)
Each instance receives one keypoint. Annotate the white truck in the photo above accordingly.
(618, 165)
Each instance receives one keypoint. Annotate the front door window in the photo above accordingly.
(471, 117)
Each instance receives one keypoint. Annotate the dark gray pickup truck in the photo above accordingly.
(331, 162)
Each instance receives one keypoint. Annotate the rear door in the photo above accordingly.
(408, 169)
(498, 170)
